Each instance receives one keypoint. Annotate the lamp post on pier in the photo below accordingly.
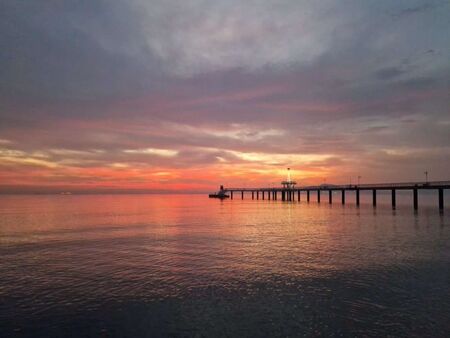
(288, 185)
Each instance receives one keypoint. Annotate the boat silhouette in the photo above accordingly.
(220, 194)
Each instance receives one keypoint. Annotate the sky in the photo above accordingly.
(164, 96)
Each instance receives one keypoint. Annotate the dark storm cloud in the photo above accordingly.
(72, 50)
(389, 73)
(414, 10)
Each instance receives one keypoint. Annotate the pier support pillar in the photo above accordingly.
(257, 195)
(283, 195)
(318, 196)
(242, 194)
(357, 197)
(307, 196)
(374, 197)
(275, 197)
(330, 196)
(263, 194)
(253, 195)
(343, 196)
(441, 199)
(268, 195)
(231, 194)
(298, 195)
(416, 199)
(394, 203)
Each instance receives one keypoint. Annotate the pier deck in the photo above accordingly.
(294, 193)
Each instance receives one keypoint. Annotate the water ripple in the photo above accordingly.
(178, 266)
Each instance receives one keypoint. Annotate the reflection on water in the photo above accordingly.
(141, 265)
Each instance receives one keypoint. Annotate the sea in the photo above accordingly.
(190, 266)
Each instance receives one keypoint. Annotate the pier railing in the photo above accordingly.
(380, 186)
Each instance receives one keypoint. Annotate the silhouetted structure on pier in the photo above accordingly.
(290, 192)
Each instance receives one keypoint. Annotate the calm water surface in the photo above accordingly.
(142, 265)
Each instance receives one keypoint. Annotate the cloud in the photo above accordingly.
(234, 131)
(415, 10)
(69, 50)
(4, 141)
(201, 36)
(124, 90)
(279, 159)
(153, 151)
(389, 73)
(17, 157)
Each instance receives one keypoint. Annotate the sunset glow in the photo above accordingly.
(233, 98)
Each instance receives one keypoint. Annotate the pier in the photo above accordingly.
(290, 192)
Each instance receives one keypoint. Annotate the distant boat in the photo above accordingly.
(220, 194)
